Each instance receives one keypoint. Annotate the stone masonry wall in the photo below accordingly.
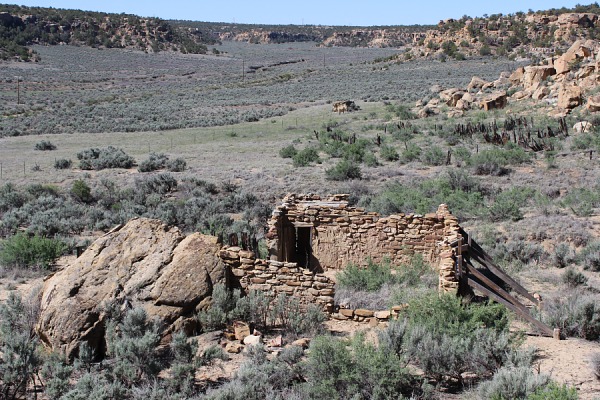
(344, 234)
(341, 235)
(279, 277)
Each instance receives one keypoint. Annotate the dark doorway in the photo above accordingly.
(303, 246)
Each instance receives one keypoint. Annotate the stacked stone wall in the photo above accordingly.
(343, 235)
(278, 277)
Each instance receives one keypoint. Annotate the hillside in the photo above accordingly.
(21, 27)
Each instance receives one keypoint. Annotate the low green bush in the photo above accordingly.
(590, 256)
(412, 152)
(507, 204)
(24, 251)
(562, 256)
(305, 157)
(109, 157)
(433, 155)
(573, 278)
(388, 153)
(62, 163)
(153, 162)
(80, 191)
(575, 312)
(513, 383)
(288, 151)
(45, 145)
(177, 165)
(343, 171)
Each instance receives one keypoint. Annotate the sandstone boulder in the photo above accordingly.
(494, 101)
(516, 77)
(540, 93)
(476, 83)
(143, 264)
(593, 103)
(534, 75)
(569, 97)
(576, 52)
(451, 96)
(583, 127)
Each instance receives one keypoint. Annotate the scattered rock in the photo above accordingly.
(241, 330)
(275, 342)
(583, 127)
(252, 340)
(540, 93)
(383, 314)
(302, 342)
(346, 312)
(363, 313)
(233, 347)
(517, 77)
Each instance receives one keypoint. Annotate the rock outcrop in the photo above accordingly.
(144, 264)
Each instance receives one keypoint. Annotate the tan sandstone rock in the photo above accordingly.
(593, 103)
(583, 127)
(144, 264)
(534, 75)
(494, 101)
(569, 97)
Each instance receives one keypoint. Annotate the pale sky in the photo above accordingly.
(313, 12)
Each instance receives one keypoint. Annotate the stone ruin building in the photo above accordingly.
(310, 237)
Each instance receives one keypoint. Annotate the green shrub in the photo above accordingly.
(582, 201)
(433, 155)
(45, 145)
(553, 391)
(513, 383)
(286, 313)
(80, 191)
(562, 256)
(20, 359)
(109, 157)
(177, 165)
(344, 170)
(335, 371)
(220, 312)
(23, 251)
(508, 203)
(306, 157)
(62, 163)
(370, 160)
(371, 278)
(573, 278)
(154, 162)
(575, 312)
(494, 161)
(447, 314)
(132, 344)
(388, 153)
(590, 257)
(412, 152)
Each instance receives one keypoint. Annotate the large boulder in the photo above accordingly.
(143, 264)
(576, 52)
(569, 97)
(494, 101)
(534, 75)
(593, 103)
(476, 83)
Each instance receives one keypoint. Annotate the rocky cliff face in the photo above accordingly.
(23, 26)
(144, 264)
